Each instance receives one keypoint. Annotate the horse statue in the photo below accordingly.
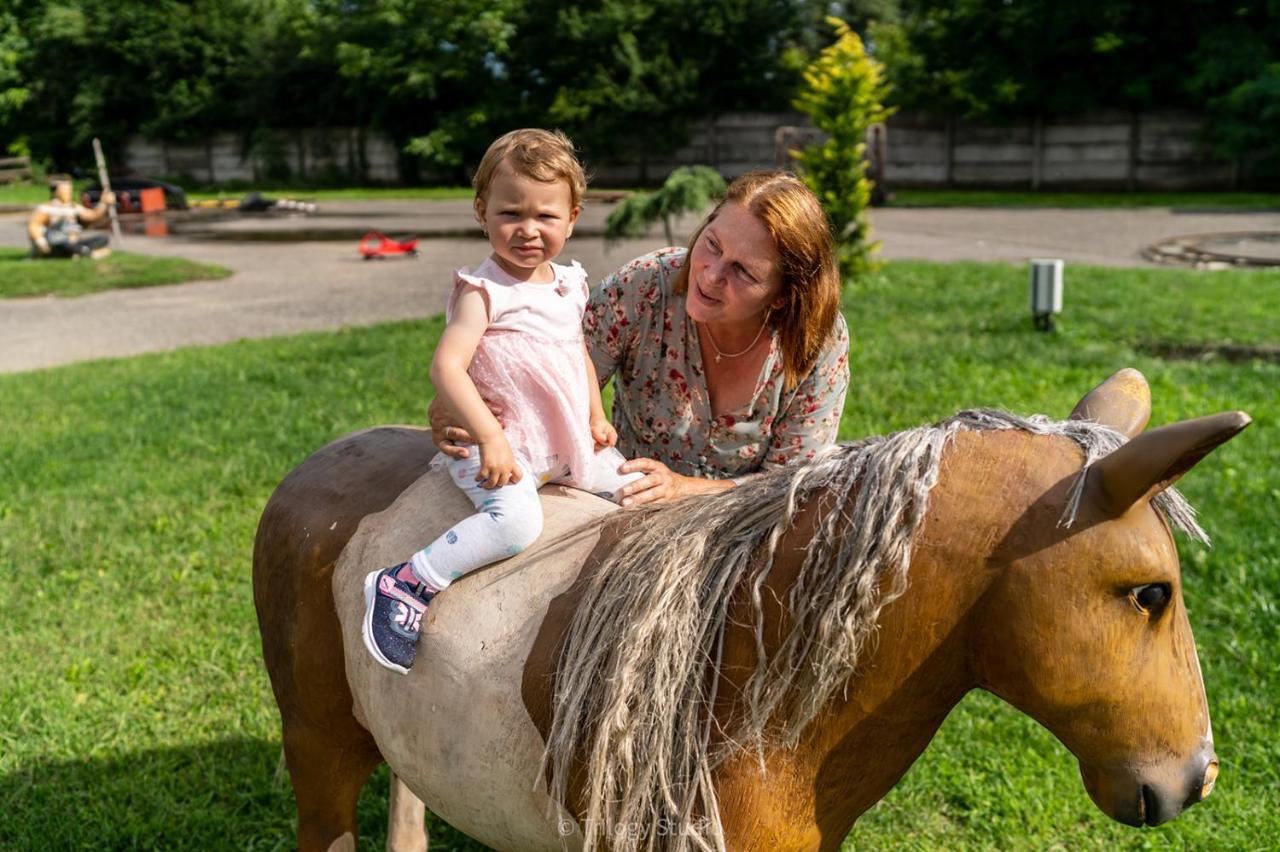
(755, 670)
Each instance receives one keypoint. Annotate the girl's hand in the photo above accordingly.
(497, 464)
(602, 432)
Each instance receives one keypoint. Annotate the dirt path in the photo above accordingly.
(288, 287)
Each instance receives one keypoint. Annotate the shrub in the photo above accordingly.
(688, 189)
(844, 95)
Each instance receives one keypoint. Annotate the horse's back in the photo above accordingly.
(456, 729)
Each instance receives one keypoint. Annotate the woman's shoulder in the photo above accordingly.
(646, 277)
(663, 262)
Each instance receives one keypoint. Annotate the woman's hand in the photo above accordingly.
(602, 431)
(447, 434)
(662, 485)
(497, 464)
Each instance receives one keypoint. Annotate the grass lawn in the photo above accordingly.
(20, 276)
(1026, 198)
(135, 711)
(24, 193)
(351, 193)
(32, 194)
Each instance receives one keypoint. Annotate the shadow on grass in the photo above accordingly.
(227, 794)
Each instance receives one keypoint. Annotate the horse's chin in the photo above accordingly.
(1140, 799)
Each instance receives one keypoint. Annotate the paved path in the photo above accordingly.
(288, 287)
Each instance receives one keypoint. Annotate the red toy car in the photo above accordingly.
(375, 244)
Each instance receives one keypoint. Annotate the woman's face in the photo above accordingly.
(734, 275)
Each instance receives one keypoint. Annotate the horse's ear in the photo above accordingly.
(1154, 460)
(1122, 402)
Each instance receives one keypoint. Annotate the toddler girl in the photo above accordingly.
(514, 338)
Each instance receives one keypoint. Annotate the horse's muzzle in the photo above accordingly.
(1152, 795)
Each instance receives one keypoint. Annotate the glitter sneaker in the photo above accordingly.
(393, 611)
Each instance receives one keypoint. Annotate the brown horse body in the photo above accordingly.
(1060, 622)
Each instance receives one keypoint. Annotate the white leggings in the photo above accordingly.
(509, 518)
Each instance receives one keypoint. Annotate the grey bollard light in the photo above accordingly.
(1046, 291)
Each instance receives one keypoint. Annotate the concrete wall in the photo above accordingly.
(1106, 150)
(318, 154)
(1158, 150)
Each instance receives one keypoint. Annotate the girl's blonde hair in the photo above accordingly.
(541, 155)
(801, 234)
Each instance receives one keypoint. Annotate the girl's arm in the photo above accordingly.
(449, 375)
(602, 431)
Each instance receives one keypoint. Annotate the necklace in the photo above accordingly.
(750, 345)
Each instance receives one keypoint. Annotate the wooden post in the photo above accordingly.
(105, 180)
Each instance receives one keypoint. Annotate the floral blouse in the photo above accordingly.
(637, 329)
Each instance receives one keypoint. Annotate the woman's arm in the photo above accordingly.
(449, 375)
(602, 431)
(609, 322)
(661, 484)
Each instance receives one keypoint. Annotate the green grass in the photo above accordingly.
(350, 193)
(20, 276)
(25, 194)
(1022, 198)
(135, 713)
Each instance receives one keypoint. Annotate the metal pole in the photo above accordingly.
(105, 180)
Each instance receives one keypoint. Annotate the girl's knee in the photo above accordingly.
(515, 530)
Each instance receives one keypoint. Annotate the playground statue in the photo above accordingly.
(703, 675)
(55, 227)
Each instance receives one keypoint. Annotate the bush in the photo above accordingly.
(844, 95)
(689, 189)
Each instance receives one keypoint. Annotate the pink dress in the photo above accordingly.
(531, 362)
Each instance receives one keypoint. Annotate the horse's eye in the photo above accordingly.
(1151, 597)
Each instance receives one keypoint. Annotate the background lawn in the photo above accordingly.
(20, 276)
(135, 712)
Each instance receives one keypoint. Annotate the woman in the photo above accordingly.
(731, 356)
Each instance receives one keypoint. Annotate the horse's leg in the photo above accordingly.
(327, 778)
(305, 526)
(406, 819)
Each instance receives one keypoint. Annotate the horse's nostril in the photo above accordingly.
(1210, 776)
(1144, 805)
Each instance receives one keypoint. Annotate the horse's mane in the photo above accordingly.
(637, 678)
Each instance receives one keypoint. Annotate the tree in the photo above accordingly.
(14, 92)
(1027, 57)
(844, 95)
(626, 78)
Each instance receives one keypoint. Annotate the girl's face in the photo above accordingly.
(734, 273)
(527, 222)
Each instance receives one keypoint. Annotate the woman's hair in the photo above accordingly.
(542, 155)
(801, 235)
